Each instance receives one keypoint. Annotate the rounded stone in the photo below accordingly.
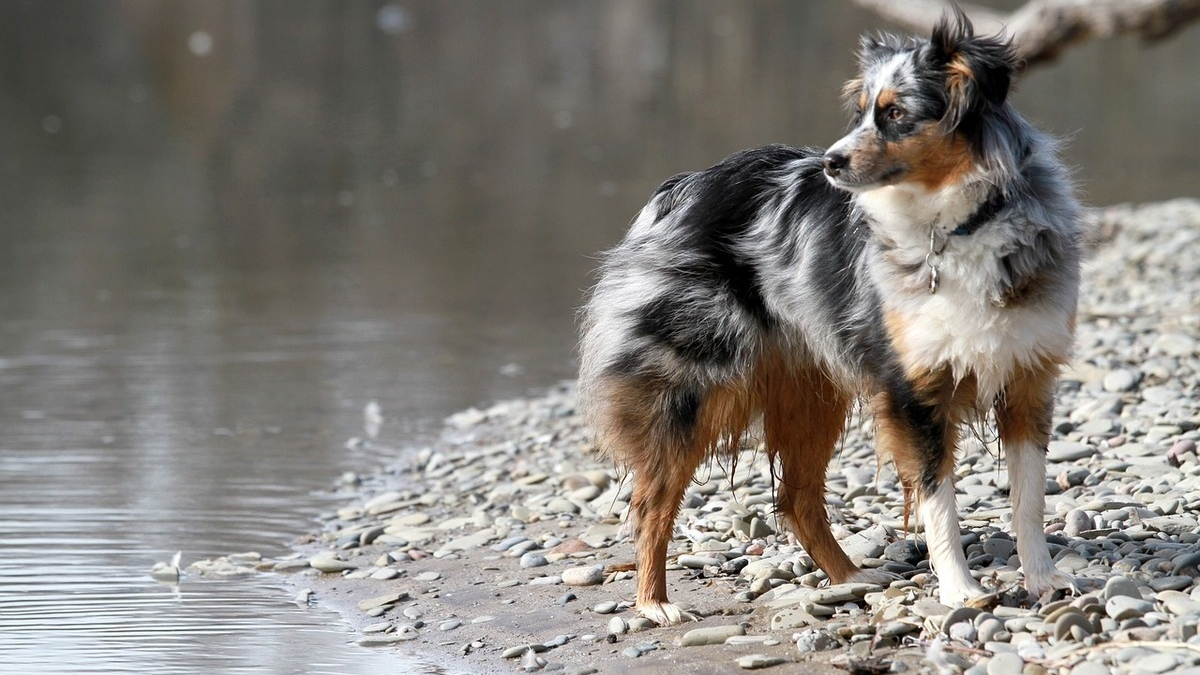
(607, 607)
(1077, 521)
(1121, 607)
(711, 635)
(906, 551)
(533, 559)
(816, 640)
(591, 575)
(757, 661)
(1119, 380)
(1070, 625)
(1121, 586)
(1006, 663)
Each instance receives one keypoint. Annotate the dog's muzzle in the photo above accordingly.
(835, 162)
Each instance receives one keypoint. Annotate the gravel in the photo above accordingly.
(510, 502)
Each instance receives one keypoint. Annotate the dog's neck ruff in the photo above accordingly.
(985, 212)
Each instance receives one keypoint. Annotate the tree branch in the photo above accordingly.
(1042, 29)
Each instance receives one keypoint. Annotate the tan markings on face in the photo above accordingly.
(934, 159)
(885, 99)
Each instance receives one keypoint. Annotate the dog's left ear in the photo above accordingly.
(978, 69)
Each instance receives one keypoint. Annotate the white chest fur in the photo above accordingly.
(960, 326)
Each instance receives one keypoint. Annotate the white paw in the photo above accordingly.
(956, 594)
(665, 613)
(1040, 581)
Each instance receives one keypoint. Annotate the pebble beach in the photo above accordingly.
(499, 548)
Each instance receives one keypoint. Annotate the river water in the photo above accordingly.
(229, 226)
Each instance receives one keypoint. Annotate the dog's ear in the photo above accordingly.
(978, 70)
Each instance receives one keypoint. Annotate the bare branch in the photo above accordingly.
(1042, 29)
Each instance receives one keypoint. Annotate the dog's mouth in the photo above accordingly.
(865, 180)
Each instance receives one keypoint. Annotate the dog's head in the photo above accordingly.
(918, 108)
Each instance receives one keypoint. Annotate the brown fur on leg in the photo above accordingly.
(804, 414)
(663, 458)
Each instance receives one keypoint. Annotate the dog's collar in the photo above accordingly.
(985, 212)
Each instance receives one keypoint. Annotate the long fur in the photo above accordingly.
(786, 282)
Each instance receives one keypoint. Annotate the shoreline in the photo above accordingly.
(458, 552)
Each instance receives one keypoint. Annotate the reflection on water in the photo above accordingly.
(227, 226)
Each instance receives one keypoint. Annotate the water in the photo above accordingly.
(228, 226)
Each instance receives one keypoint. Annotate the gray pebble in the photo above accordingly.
(583, 576)
(450, 624)
(617, 626)
(816, 640)
(1159, 662)
(697, 562)
(1122, 379)
(533, 559)
(1078, 521)
(1123, 607)
(712, 635)
(1121, 586)
(1007, 663)
(757, 661)
(607, 607)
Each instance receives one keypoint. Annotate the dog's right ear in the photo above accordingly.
(978, 70)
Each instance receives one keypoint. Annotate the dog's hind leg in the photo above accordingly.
(803, 418)
(660, 479)
(1023, 418)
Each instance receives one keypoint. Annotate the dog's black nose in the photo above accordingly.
(835, 162)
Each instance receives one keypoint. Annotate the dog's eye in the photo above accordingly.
(856, 116)
(894, 113)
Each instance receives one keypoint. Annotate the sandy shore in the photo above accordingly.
(498, 548)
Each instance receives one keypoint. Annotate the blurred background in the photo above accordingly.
(229, 225)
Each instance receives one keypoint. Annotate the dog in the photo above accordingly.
(926, 264)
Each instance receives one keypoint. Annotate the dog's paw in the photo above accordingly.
(1042, 581)
(665, 613)
(958, 594)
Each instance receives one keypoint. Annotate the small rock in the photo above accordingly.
(906, 551)
(330, 564)
(756, 661)
(1005, 663)
(591, 575)
(450, 624)
(1121, 586)
(1067, 451)
(1072, 626)
(1122, 379)
(617, 626)
(1077, 521)
(712, 635)
(607, 607)
(533, 559)
(696, 562)
(839, 593)
(1122, 607)
(816, 640)
(381, 601)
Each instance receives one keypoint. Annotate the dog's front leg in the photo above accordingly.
(939, 515)
(920, 437)
(1023, 417)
